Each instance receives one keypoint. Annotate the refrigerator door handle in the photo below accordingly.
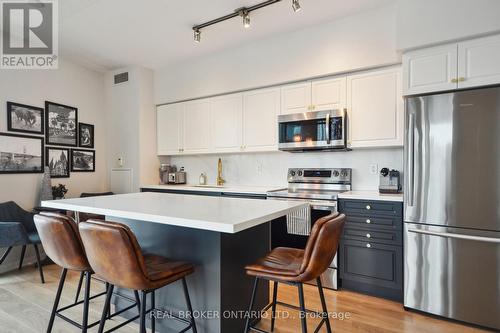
(456, 236)
(411, 158)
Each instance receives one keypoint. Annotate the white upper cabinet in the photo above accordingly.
(328, 94)
(196, 126)
(296, 98)
(375, 108)
(479, 62)
(260, 119)
(431, 69)
(226, 117)
(466, 64)
(169, 129)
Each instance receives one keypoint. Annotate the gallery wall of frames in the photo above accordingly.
(52, 136)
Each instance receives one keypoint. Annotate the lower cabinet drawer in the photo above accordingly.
(390, 237)
(377, 222)
(373, 208)
(371, 266)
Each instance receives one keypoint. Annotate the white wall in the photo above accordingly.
(270, 169)
(132, 124)
(71, 85)
(364, 40)
(426, 22)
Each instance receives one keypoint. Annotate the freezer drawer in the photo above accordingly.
(453, 272)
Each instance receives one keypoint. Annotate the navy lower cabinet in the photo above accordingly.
(371, 248)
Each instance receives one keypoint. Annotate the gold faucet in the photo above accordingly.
(220, 180)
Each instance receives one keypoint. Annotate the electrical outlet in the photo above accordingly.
(373, 169)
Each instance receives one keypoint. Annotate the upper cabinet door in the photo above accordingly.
(375, 108)
(226, 113)
(196, 129)
(431, 69)
(169, 129)
(479, 62)
(260, 119)
(328, 94)
(296, 98)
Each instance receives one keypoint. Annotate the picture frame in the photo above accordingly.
(82, 160)
(58, 161)
(85, 135)
(25, 118)
(61, 123)
(21, 154)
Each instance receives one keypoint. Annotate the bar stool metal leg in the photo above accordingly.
(56, 301)
(142, 320)
(273, 309)
(250, 307)
(302, 308)
(153, 313)
(79, 288)
(138, 300)
(86, 302)
(190, 308)
(23, 251)
(323, 305)
(39, 263)
(105, 310)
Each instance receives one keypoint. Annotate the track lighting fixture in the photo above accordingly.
(197, 35)
(246, 18)
(243, 12)
(296, 5)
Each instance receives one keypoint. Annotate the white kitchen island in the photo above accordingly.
(218, 235)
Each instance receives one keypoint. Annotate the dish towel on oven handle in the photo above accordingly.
(298, 222)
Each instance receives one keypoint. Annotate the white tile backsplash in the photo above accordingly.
(270, 169)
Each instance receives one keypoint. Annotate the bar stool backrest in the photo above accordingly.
(114, 253)
(322, 245)
(61, 241)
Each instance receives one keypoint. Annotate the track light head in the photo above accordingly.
(197, 35)
(246, 18)
(296, 6)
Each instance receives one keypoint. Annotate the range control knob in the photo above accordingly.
(299, 173)
(344, 173)
(292, 173)
(335, 173)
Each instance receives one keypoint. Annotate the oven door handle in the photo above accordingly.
(327, 131)
(315, 204)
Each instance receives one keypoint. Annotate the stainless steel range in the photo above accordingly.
(319, 187)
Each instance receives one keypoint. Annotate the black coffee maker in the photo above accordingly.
(390, 181)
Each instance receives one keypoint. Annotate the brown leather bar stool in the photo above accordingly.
(62, 244)
(296, 266)
(115, 255)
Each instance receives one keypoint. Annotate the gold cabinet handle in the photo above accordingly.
(454, 80)
(461, 79)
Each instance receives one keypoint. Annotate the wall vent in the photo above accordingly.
(122, 77)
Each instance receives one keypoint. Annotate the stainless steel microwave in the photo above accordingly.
(320, 130)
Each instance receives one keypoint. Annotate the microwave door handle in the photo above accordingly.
(327, 132)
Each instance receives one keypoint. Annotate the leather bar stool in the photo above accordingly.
(115, 255)
(62, 244)
(296, 266)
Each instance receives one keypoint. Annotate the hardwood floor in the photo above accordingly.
(25, 306)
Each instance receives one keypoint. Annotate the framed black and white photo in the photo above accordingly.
(85, 135)
(24, 118)
(82, 160)
(57, 159)
(21, 153)
(61, 122)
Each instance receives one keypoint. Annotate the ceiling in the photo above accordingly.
(108, 34)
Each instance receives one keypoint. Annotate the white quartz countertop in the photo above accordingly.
(220, 214)
(371, 195)
(242, 189)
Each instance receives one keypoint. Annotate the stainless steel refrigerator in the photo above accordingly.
(452, 205)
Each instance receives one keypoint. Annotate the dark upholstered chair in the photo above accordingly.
(18, 228)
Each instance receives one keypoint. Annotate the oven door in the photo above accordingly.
(313, 130)
(281, 238)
